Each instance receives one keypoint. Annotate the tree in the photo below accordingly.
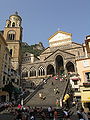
(11, 90)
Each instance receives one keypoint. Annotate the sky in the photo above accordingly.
(42, 18)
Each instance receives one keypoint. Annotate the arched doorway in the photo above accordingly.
(70, 67)
(59, 65)
(50, 70)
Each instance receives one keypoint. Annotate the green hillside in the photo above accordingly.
(32, 49)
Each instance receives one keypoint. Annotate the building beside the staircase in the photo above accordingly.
(83, 69)
(5, 68)
(10, 53)
(5, 63)
(12, 35)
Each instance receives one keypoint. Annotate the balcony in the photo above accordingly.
(74, 78)
(86, 84)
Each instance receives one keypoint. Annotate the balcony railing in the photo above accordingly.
(86, 84)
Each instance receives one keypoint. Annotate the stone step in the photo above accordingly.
(48, 93)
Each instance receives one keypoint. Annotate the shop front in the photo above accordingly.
(85, 99)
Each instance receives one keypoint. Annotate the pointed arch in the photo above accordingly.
(32, 72)
(41, 71)
(24, 72)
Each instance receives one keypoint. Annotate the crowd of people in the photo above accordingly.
(39, 113)
(36, 113)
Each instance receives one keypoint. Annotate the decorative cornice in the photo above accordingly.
(77, 43)
(44, 51)
(59, 32)
(87, 40)
(67, 39)
(82, 59)
(87, 84)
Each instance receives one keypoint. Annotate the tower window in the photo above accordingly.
(11, 51)
(0, 47)
(75, 82)
(5, 69)
(13, 24)
(3, 79)
(8, 25)
(6, 57)
(11, 35)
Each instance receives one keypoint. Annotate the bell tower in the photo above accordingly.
(13, 37)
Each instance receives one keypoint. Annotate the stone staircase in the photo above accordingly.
(33, 93)
(48, 91)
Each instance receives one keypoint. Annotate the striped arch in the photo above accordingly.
(50, 70)
(70, 66)
(59, 61)
(32, 72)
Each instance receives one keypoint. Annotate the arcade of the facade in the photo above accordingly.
(56, 66)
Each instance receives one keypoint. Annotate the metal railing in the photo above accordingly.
(36, 90)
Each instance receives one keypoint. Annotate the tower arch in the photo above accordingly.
(13, 24)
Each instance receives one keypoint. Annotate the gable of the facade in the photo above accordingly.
(60, 38)
(64, 54)
(73, 48)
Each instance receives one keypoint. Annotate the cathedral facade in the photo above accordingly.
(58, 58)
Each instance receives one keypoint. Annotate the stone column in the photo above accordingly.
(45, 72)
(36, 73)
(55, 69)
(61, 103)
(28, 73)
(85, 52)
(65, 70)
